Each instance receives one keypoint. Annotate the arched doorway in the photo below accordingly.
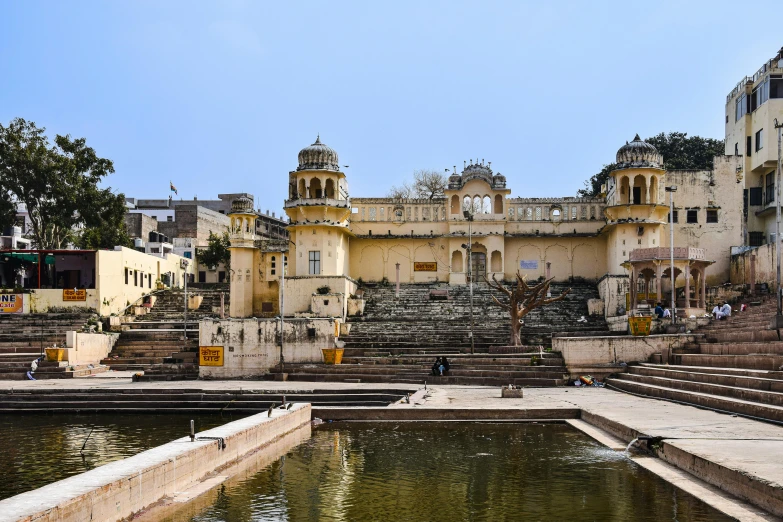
(478, 262)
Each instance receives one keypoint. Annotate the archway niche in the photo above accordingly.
(302, 189)
(315, 188)
(653, 189)
(476, 205)
(486, 205)
(639, 190)
(329, 189)
(555, 214)
(496, 262)
(625, 190)
(456, 261)
(498, 204)
(455, 210)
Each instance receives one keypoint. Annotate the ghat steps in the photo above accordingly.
(737, 368)
(147, 400)
(398, 338)
(158, 344)
(23, 338)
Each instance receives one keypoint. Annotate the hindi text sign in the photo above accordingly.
(73, 294)
(210, 355)
(528, 264)
(425, 267)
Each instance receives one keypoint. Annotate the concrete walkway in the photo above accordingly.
(735, 454)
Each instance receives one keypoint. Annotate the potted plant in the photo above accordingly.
(323, 290)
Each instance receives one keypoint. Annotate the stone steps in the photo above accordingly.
(753, 362)
(727, 404)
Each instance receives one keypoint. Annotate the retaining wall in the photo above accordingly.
(119, 489)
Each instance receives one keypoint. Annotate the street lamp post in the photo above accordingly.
(184, 265)
(282, 311)
(671, 190)
(469, 216)
(777, 322)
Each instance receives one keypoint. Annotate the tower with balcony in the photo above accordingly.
(242, 233)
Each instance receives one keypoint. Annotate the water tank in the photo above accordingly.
(138, 243)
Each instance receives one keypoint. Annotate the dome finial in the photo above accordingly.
(318, 138)
(637, 138)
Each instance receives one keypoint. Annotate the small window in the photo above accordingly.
(315, 262)
(169, 218)
(188, 254)
(693, 216)
(770, 187)
(126, 276)
(756, 196)
(222, 276)
(273, 265)
(755, 238)
(759, 140)
(748, 146)
(311, 333)
(202, 276)
(676, 217)
(712, 216)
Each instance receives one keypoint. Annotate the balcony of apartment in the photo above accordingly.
(317, 202)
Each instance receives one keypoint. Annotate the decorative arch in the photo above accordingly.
(455, 210)
(486, 205)
(498, 204)
(625, 190)
(639, 190)
(555, 214)
(496, 261)
(316, 191)
(399, 254)
(653, 189)
(559, 262)
(529, 252)
(302, 189)
(329, 188)
(476, 205)
(456, 261)
(587, 264)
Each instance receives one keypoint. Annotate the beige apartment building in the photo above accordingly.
(751, 110)
(619, 240)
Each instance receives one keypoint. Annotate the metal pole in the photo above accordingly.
(778, 319)
(185, 321)
(470, 279)
(397, 291)
(282, 311)
(671, 254)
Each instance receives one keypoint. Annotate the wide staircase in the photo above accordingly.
(735, 368)
(398, 339)
(23, 337)
(158, 343)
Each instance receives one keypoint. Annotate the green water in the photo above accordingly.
(448, 472)
(40, 449)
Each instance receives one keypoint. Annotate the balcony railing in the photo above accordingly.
(312, 202)
(648, 254)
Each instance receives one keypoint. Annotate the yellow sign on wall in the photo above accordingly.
(72, 294)
(210, 355)
(11, 303)
(425, 267)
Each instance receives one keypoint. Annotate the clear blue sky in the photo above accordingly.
(220, 96)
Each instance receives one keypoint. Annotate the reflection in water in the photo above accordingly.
(40, 449)
(448, 472)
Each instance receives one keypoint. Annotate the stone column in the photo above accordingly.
(659, 275)
(687, 285)
(753, 274)
(633, 290)
(397, 289)
(703, 288)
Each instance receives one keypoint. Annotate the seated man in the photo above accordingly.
(658, 311)
(667, 312)
(719, 312)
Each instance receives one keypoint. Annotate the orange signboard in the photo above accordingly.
(11, 303)
(210, 355)
(425, 267)
(72, 294)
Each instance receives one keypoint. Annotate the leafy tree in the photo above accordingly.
(216, 252)
(679, 152)
(107, 233)
(57, 183)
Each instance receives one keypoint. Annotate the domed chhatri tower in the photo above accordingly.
(242, 232)
(636, 209)
(319, 209)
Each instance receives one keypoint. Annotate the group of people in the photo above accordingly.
(721, 312)
(441, 366)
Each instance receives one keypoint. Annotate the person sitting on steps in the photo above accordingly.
(659, 311)
(722, 312)
(436, 366)
(444, 366)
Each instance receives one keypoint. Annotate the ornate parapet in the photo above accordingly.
(663, 253)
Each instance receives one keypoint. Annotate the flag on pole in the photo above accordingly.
(173, 188)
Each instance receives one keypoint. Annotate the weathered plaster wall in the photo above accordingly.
(765, 266)
(587, 351)
(251, 348)
(88, 348)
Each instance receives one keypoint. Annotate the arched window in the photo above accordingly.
(315, 188)
(329, 189)
(455, 205)
(498, 204)
(456, 261)
(555, 214)
(302, 188)
(476, 205)
(486, 205)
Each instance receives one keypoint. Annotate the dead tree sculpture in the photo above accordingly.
(522, 300)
